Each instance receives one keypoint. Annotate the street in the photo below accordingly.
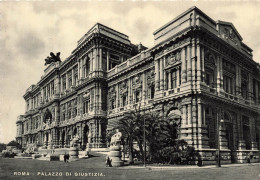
(94, 168)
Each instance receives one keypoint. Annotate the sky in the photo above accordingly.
(29, 31)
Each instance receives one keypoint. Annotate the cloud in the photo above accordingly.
(30, 45)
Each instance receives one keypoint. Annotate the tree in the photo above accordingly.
(129, 126)
(14, 143)
(2, 147)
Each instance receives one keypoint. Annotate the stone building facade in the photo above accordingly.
(198, 68)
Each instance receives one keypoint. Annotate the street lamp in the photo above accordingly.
(144, 144)
(218, 150)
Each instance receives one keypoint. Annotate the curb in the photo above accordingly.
(187, 167)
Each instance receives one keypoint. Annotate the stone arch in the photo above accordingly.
(228, 126)
(85, 136)
(47, 116)
(175, 116)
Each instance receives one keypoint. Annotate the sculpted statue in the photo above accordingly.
(116, 138)
(53, 58)
(75, 141)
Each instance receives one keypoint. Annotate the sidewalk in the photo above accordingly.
(185, 167)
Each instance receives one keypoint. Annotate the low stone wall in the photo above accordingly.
(243, 155)
(208, 156)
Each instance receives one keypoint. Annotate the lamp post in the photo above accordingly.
(218, 149)
(144, 144)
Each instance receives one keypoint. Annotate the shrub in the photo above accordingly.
(8, 155)
(54, 157)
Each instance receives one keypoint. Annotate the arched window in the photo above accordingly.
(47, 117)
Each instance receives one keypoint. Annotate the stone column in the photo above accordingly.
(184, 115)
(94, 59)
(256, 91)
(79, 68)
(202, 64)
(198, 62)
(253, 133)
(72, 77)
(194, 122)
(169, 80)
(108, 55)
(221, 73)
(218, 74)
(164, 74)
(100, 60)
(56, 114)
(97, 59)
(189, 114)
(100, 97)
(238, 80)
(193, 58)
(200, 116)
(99, 132)
(178, 77)
(188, 64)
(157, 76)
(117, 96)
(183, 66)
(130, 92)
(84, 67)
(204, 114)
(161, 74)
(250, 87)
(91, 61)
(67, 81)
(144, 88)
(241, 142)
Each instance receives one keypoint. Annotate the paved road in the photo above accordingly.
(94, 168)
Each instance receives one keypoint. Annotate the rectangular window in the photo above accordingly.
(112, 104)
(244, 90)
(152, 91)
(64, 83)
(124, 100)
(174, 79)
(228, 84)
(137, 96)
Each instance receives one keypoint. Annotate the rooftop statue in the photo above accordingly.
(53, 58)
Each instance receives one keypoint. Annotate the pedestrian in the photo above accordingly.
(108, 162)
(65, 157)
(249, 157)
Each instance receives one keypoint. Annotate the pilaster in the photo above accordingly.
(183, 66)
(202, 64)
(193, 62)
(189, 74)
(100, 60)
(157, 75)
(161, 74)
(144, 88)
(129, 99)
(169, 80)
(108, 55)
(198, 64)
(238, 80)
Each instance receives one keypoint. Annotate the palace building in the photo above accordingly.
(198, 68)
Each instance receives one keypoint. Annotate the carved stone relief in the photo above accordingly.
(172, 58)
